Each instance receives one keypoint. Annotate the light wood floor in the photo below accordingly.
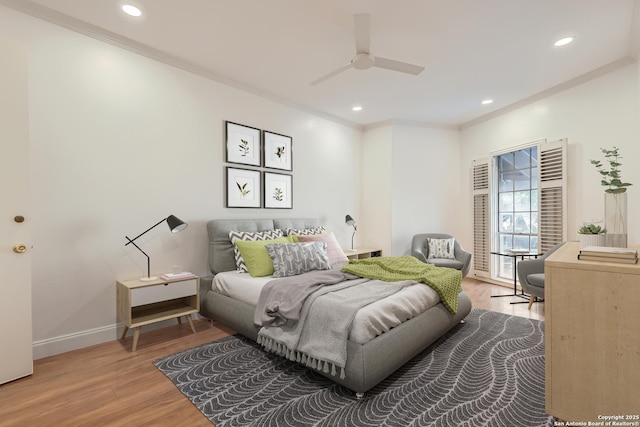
(108, 385)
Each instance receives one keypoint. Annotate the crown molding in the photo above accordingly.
(98, 33)
(411, 123)
(593, 74)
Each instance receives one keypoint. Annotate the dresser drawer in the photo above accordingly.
(163, 292)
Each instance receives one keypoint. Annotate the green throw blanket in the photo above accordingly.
(445, 281)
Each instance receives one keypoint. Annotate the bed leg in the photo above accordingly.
(359, 396)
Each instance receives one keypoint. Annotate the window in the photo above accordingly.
(519, 202)
(517, 196)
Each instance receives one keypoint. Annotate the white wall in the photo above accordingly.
(600, 113)
(411, 182)
(375, 218)
(426, 179)
(119, 141)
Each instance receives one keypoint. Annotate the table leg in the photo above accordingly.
(515, 284)
(193, 328)
(515, 275)
(136, 335)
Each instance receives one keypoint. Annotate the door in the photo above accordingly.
(16, 350)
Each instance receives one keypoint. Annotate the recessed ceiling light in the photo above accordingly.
(487, 101)
(564, 41)
(131, 10)
(357, 108)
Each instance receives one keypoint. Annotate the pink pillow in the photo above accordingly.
(334, 251)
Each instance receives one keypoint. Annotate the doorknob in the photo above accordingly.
(20, 248)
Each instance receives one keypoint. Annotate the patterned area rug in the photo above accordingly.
(488, 371)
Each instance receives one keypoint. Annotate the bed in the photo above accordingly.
(367, 363)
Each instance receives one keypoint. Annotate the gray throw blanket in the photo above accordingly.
(281, 299)
(318, 337)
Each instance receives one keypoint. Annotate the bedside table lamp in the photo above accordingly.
(350, 221)
(175, 225)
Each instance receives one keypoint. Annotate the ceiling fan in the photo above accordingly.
(363, 59)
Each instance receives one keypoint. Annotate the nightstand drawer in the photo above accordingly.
(163, 292)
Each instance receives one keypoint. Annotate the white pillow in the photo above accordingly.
(291, 259)
(250, 236)
(441, 248)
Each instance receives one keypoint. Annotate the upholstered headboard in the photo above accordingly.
(220, 247)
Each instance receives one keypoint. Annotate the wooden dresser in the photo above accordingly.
(592, 337)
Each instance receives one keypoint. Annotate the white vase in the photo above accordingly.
(615, 219)
(591, 240)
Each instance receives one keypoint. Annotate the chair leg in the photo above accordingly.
(531, 301)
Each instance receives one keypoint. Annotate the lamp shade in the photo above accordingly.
(175, 224)
(349, 220)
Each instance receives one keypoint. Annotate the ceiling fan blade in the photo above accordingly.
(331, 74)
(362, 30)
(403, 67)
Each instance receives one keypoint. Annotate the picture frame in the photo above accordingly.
(243, 145)
(278, 191)
(277, 151)
(243, 188)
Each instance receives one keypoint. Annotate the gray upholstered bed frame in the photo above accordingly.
(367, 364)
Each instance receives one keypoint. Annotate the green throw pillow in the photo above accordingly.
(256, 257)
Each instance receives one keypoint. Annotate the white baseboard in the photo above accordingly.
(82, 339)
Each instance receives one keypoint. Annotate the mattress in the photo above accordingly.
(370, 321)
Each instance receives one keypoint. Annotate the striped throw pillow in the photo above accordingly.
(305, 231)
(291, 259)
(249, 236)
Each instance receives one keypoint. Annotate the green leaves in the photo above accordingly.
(611, 177)
(244, 147)
(591, 229)
(243, 189)
(278, 194)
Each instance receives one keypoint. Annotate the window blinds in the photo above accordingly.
(481, 218)
(552, 206)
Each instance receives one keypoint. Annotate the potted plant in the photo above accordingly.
(615, 197)
(591, 235)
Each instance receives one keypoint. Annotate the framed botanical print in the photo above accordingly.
(277, 151)
(278, 191)
(243, 144)
(243, 188)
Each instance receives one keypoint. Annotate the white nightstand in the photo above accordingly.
(142, 303)
(362, 253)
